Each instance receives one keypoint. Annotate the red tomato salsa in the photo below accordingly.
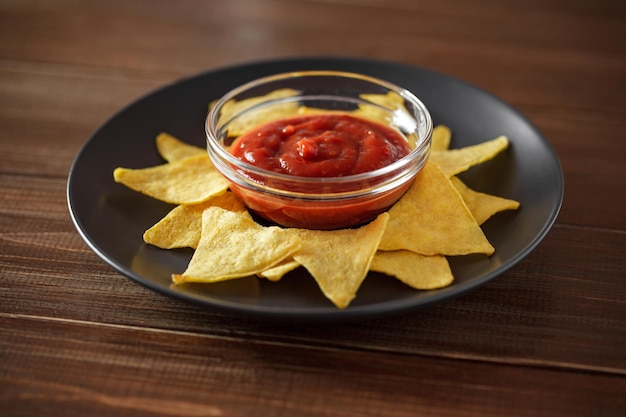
(323, 145)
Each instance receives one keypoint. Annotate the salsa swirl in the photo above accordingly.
(321, 145)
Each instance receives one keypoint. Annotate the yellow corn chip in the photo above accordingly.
(173, 149)
(441, 139)
(455, 161)
(392, 112)
(187, 181)
(482, 205)
(233, 107)
(432, 219)
(234, 246)
(182, 226)
(391, 100)
(339, 260)
(260, 115)
(373, 113)
(417, 271)
(277, 272)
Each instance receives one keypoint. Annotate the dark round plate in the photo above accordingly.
(112, 218)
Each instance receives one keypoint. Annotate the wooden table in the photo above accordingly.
(77, 338)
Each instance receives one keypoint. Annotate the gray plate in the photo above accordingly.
(112, 218)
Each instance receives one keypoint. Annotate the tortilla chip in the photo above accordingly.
(482, 206)
(234, 246)
(455, 161)
(186, 181)
(441, 139)
(417, 271)
(277, 272)
(392, 110)
(390, 100)
(262, 114)
(432, 219)
(182, 227)
(173, 149)
(339, 260)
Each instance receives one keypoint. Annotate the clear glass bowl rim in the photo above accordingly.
(214, 145)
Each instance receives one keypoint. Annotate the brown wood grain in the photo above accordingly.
(544, 339)
(179, 373)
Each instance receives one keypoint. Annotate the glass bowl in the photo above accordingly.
(318, 202)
